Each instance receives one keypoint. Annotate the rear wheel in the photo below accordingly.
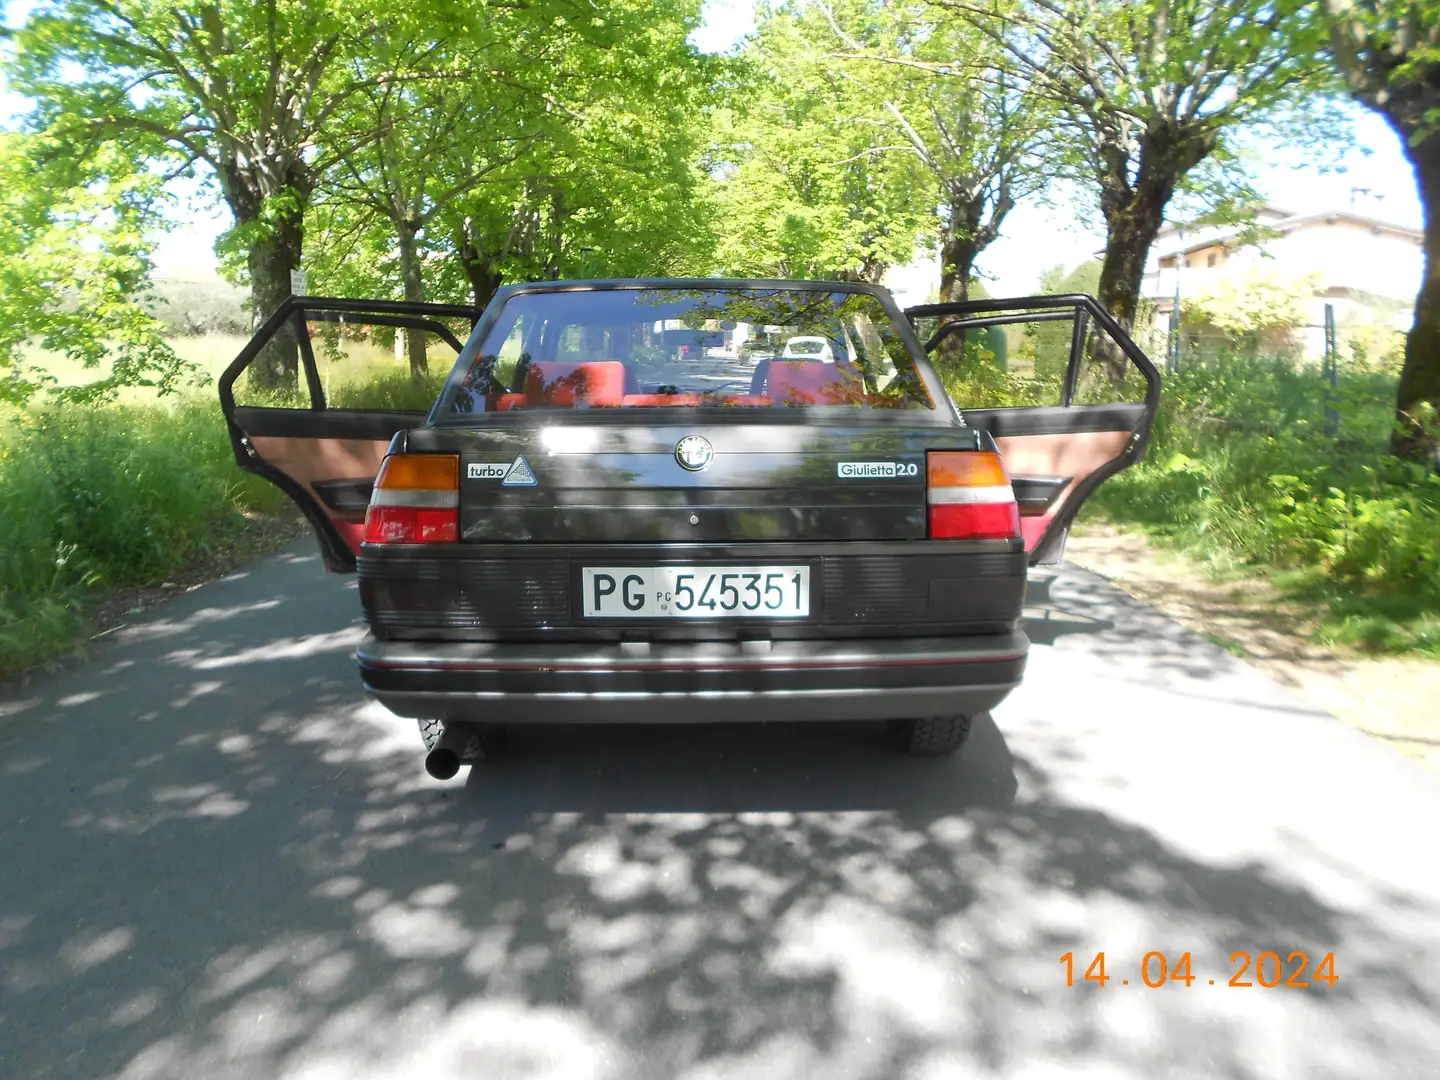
(487, 741)
(930, 736)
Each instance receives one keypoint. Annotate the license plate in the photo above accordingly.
(696, 592)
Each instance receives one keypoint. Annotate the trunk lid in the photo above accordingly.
(746, 482)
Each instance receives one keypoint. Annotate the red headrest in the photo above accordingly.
(811, 382)
(595, 383)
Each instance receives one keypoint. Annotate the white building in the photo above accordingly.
(1368, 269)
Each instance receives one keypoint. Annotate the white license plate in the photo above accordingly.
(696, 592)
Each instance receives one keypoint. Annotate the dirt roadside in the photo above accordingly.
(1397, 700)
(259, 535)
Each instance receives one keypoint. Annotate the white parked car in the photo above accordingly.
(808, 348)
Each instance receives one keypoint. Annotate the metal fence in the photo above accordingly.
(1329, 365)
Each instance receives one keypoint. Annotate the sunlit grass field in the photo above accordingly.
(211, 353)
(352, 372)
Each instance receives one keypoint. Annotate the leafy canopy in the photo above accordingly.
(74, 260)
(809, 180)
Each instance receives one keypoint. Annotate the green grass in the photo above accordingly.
(126, 493)
(211, 353)
(1245, 473)
(95, 498)
(353, 374)
(359, 375)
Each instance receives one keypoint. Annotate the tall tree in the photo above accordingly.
(553, 147)
(809, 181)
(241, 88)
(614, 188)
(407, 150)
(1149, 89)
(1389, 54)
(976, 137)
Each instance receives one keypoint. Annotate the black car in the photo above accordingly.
(583, 529)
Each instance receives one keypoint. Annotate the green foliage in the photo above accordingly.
(395, 390)
(561, 147)
(1084, 278)
(937, 93)
(803, 185)
(1372, 346)
(1151, 92)
(73, 264)
(980, 383)
(1047, 345)
(1242, 470)
(198, 309)
(1247, 306)
(1386, 53)
(103, 496)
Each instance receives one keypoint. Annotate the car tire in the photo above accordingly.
(931, 736)
(487, 742)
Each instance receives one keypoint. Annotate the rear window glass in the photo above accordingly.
(668, 347)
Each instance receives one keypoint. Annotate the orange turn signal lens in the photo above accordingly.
(419, 472)
(967, 468)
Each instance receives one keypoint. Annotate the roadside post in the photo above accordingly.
(1331, 371)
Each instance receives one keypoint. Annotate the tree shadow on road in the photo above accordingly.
(219, 861)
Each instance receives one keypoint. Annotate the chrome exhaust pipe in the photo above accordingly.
(443, 761)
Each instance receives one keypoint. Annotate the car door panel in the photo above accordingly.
(1035, 420)
(1057, 455)
(1071, 456)
(325, 459)
(327, 467)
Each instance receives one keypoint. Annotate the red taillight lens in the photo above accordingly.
(411, 525)
(970, 497)
(975, 521)
(416, 501)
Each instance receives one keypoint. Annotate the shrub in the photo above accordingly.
(1245, 468)
(1262, 304)
(103, 497)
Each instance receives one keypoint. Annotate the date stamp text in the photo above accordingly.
(1157, 969)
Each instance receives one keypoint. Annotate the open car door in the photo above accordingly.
(320, 437)
(1065, 392)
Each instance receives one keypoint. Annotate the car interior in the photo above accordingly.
(541, 379)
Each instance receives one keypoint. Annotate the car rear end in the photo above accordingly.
(570, 541)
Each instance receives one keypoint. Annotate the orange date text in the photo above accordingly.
(1265, 969)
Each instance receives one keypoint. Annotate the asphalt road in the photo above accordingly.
(217, 860)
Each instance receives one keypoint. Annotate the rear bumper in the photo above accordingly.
(705, 682)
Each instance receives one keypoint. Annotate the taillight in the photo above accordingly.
(970, 497)
(416, 500)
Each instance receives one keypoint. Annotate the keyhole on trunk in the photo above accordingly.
(694, 519)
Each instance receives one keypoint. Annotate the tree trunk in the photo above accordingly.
(1417, 436)
(271, 259)
(485, 281)
(871, 272)
(278, 238)
(413, 284)
(958, 249)
(1134, 213)
(555, 247)
(957, 261)
(481, 269)
(1132, 228)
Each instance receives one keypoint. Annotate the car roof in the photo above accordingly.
(605, 284)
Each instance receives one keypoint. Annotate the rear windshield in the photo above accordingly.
(667, 347)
